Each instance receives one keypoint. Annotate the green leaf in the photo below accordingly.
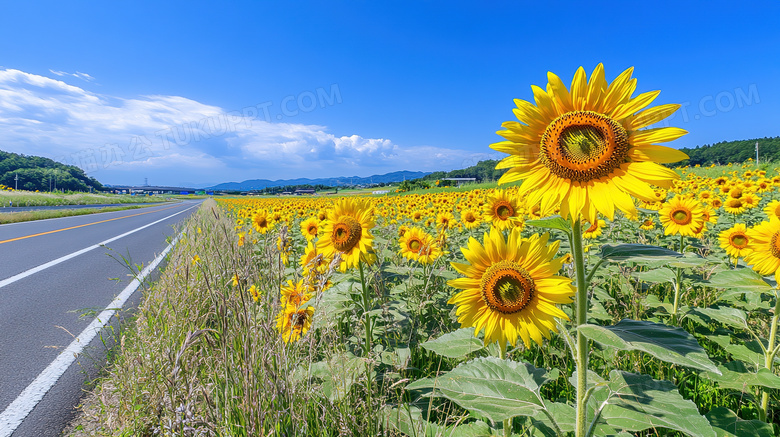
(553, 222)
(564, 415)
(670, 344)
(736, 376)
(456, 344)
(742, 280)
(493, 388)
(338, 374)
(727, 424)
(637, 402)
(634, 252)
(657, 276)
(728, 316)
(410, 421)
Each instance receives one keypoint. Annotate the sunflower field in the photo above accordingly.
(593, 292)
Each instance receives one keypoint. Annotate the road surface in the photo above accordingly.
(61, 280)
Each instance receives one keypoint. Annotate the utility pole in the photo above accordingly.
(756, 152)
(16, 182)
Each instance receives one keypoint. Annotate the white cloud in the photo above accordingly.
(78, 74)
(173, 136)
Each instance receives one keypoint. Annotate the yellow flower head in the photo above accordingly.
(735, 241)
(347, 232)
(418, 245)
(292, 323)
(764, 242)
(584, 149)
(500, 209)
(682, 216)
(310, 227)
(510, 288)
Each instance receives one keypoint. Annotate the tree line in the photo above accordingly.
(42, 174)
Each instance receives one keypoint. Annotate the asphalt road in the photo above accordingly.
(54, 283)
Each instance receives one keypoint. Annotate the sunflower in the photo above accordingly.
(261, 222)
(347, 232)
(764, 241)
(583, 149)
(735, 206)
(255, 292)
(312, 262)
(445, 220)
(773, 209)
(510, 288)
(295, 294)
(594, 230)
(292, 323)
(647, 224)
(418, 245)
(681, 216)
(310, 227)
(471, 219)
(500, 208)
(735, 241)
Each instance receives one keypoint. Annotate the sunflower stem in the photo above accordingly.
(770, 356)
(677, 285)
(581, 360)
(367, 322)
(507, 423)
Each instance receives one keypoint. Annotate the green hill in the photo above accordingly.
(735, 152)
(36, 173)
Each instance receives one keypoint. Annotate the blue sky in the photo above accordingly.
(206, 92)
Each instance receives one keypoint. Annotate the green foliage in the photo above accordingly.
(35, 173)
(726, 152)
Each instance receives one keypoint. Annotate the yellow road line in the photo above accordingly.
(81, 226)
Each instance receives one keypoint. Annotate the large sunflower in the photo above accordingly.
(583, 149)
(347, 232)
(510, 288)
(765, 245)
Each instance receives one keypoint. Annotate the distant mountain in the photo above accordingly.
(259, 184)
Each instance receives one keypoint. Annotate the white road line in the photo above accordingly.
(52, 263)
(12, 417)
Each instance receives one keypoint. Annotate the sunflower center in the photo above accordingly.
(681, 216)
(507, 287)
(648, 223)
(584, 146)
(774, 247)
(414, 245)
(592, 228)
(346, 234)
(470, 217)
(740, 241)
(504, 210)
(261, 222)
(312, 230)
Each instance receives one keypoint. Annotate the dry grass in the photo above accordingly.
(202, 358)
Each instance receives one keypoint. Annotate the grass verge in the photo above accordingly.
(27, 216)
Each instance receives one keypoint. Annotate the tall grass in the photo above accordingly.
(29, 198)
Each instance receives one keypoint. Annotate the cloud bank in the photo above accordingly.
(176, 140)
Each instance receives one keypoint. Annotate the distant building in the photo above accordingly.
(380, 192)
(460, 181)
(300, 191)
